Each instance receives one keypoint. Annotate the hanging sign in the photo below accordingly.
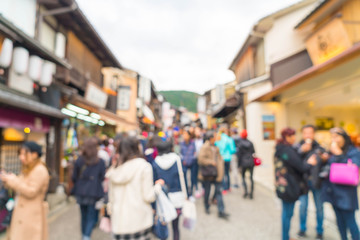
(96, 95)
(124, 94)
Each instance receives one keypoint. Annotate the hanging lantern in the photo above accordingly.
(47, 73)
(35, 65)
(21, 60)
(6, 53)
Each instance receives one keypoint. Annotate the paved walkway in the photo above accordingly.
(249, 220)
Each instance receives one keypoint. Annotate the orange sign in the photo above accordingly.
(328, 42)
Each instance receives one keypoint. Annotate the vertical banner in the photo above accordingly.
(124, 94)
(268, 122)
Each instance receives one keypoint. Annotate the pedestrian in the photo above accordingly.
(234, 166)
(131, 192)
(29, 217)
(150, 151)
(165, 167)
(88, 176)
(199, 141)
(289, 179)
(211, 172)
(343, 198)
(246, 152)
(227, 148)
(306, 148)
(188, 159)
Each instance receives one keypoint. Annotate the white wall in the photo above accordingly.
(22, 13)
(265, 149)
(282, 41)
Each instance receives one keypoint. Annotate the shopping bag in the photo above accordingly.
(189, 214)
(160, 228)
(105, 224)
(165, 208)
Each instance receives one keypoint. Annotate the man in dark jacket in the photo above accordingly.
(306, 148)
(246, 161)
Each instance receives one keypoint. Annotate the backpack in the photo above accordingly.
(287, 185)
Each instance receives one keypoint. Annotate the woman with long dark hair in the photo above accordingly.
(289, 170)
(88, 175)
(343, 198)
(131, 192)
(29, 218)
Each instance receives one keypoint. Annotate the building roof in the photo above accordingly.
(263, 26)
(325, 8)
(77, 22)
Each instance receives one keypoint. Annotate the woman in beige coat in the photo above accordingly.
(210, 158)
(131, 192)
(29, 218)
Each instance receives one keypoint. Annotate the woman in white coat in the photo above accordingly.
(131, 192)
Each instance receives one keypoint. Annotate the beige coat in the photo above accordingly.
(210, 155)
(29, 219)
(131, 192)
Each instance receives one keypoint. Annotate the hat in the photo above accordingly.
(243, 134)
(33, 147)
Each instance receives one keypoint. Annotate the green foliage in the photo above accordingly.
(181, 99)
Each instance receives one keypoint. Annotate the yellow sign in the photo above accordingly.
(328, 42)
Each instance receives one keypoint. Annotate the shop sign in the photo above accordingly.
(268, 122)
(324, 123)
(124, 94)
(96, 95)
(328, 42)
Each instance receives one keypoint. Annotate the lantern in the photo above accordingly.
(6, 52)
(47, 73)
(21, 60)
(35, 65)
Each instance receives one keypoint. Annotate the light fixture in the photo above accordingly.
(20, 60)
(101, 123)
(68, 112)
(95, 115)
(6, 53)
(87, 119)
(27, 130)
(77, 109)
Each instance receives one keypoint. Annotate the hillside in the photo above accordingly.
(181, 99)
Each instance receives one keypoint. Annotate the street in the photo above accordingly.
(249, 220)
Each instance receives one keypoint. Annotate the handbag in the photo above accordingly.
(257, 161)
(189, 208)
(160, 227)
(208, 171)
(105, 224)
(344, 173)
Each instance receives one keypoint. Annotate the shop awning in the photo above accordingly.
(148, 113)
(113, 119)
(34, 46)
(18, 101)
(231, 105)
(305, 75)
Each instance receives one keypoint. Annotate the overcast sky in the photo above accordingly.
(179, 44)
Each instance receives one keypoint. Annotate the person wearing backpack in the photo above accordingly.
(165, 167)
(88, 176)
(289, 180)
(245, 155)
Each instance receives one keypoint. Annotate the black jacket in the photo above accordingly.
(245, 151)
(88, 179)
(289, 171)
(313, 175)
